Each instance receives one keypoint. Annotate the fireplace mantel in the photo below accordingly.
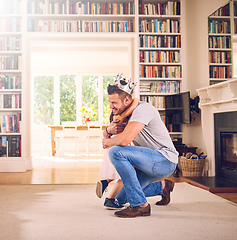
(221, 97)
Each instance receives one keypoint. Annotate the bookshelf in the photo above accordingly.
(80, 16)
(220, 32)
(160, 66)
(11, 158)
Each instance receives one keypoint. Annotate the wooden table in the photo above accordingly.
(60, 128)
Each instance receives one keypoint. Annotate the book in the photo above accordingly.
(12, 146)
(4, 146)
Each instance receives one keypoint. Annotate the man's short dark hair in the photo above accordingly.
(112, 89)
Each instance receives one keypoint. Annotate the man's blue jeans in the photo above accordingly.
(138, 167)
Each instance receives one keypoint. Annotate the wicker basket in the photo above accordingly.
(192, 167)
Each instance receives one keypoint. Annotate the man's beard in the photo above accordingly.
(115, 111)
(118, 111)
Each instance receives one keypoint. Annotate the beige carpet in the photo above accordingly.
(68, 212)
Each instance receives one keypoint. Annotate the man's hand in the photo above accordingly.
(115, 127)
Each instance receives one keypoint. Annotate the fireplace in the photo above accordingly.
(218, 105)
(225, 125)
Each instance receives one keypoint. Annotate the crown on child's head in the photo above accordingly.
(124, 84)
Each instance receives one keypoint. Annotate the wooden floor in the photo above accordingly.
(58, 170)
(70, 170)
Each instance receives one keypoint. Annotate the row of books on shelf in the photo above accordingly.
(10, 62)
(171, 126)
(10, 146)
(160, 87)
(219, 26)
(80, 8)
(150, 41)
(220, 72)
(10, 100)
(160, 56)
(10, 43)
(10, 123)
(80, 26)
(159, 26)
(219, 42)
(166, 8)
(174, 127)
(10, 24)
(213, 82)
(223, 11)
(156, 101)
(10, 82)
(10, 7)
(220, 57)
(160, 71)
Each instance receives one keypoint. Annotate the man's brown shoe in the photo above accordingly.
(131, 212)
(169, 186)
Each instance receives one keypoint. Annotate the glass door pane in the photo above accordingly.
(67, 98)
(44, 100)
(90, 98)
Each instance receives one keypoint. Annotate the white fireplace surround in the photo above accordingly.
(218, 98)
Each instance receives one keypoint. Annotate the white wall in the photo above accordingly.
(78, 57)
(195, 39)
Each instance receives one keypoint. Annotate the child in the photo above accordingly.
(107, 170)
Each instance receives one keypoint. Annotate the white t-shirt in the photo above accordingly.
(155, 134)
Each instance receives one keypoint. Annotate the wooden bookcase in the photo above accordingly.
(220, 42)
(11, 157)
(160, 66)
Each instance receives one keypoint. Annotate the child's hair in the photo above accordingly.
(111, 117)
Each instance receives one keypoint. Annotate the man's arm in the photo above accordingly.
(126, 137)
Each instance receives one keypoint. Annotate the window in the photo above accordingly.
(90, 97)
(44, 100)
(67, 98)
(71, 98)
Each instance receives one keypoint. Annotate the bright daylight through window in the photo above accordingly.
(78, 98)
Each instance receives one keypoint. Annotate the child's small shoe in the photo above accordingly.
(101, 186)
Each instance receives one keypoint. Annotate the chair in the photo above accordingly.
(67, 137)
(94, 131)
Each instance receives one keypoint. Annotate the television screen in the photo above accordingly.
(186, 107)
(178, 108)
